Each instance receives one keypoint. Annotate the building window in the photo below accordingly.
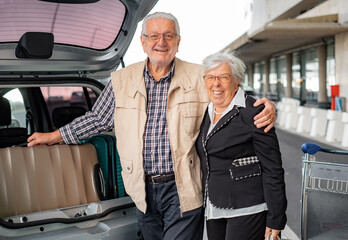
(281, 76)
(273, 79)
(259, 79)
(296, 75)
(330, 67)
(312, 74)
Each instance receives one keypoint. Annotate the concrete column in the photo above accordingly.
(288, 91)
(266, 90)
(341, 49)
(251, 68)
(322, 94)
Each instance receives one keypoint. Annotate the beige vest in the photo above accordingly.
(187, 102)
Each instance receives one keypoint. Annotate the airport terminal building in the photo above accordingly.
(297, 49)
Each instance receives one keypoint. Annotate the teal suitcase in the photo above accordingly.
(110, 165)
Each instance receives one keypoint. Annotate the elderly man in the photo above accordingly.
(156, 107)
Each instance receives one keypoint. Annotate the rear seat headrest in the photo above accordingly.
(5, 110)
(9, 135)
(64, 115)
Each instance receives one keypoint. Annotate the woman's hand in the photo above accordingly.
(274, 233)
(268, 115)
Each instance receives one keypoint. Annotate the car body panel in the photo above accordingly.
(121, 223)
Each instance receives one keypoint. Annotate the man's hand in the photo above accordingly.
(44, 138)
(268, 115)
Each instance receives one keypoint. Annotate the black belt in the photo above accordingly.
(161, 178)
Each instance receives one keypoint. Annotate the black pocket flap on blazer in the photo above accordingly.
(246, 171)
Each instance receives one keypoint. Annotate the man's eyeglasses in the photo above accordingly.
(225, 77)
(156, 37)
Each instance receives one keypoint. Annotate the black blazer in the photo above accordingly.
(242, 165)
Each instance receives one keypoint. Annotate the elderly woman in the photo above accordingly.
(244, 193)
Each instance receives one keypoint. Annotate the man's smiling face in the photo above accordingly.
(161, 52)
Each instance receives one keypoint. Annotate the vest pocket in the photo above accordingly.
(192, 117)
(129, 103)
(129, 179)
(127, 166)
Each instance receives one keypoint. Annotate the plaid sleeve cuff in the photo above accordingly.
(68, 134)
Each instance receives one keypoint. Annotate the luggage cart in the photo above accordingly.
(324, 208)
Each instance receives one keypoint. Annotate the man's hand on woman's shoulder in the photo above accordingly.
(267, 116)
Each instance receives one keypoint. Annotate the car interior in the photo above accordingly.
(60, 183)
(42, 178)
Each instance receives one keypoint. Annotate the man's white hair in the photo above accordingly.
(164, 15)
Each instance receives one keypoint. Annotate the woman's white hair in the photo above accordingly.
(237, 65)
(164, 15)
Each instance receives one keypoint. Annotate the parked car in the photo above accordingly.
(49, 50)
(77, 97)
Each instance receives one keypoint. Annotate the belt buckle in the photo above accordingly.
(154, 177)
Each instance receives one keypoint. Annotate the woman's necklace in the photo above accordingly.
(217, 112)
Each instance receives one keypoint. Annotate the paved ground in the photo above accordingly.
(287, 234)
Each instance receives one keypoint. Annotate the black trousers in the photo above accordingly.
(250, 227)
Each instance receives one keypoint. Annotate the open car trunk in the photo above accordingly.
(55, 57)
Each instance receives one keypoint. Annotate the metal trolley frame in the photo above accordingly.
(324, 208)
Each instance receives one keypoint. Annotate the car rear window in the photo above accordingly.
(93, 25)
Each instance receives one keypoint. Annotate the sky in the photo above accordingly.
(206, 27)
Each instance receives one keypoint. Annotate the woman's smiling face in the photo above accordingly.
(221, 86)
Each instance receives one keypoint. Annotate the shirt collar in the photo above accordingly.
(166, 77)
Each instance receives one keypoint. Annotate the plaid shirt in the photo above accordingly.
(156, 153)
